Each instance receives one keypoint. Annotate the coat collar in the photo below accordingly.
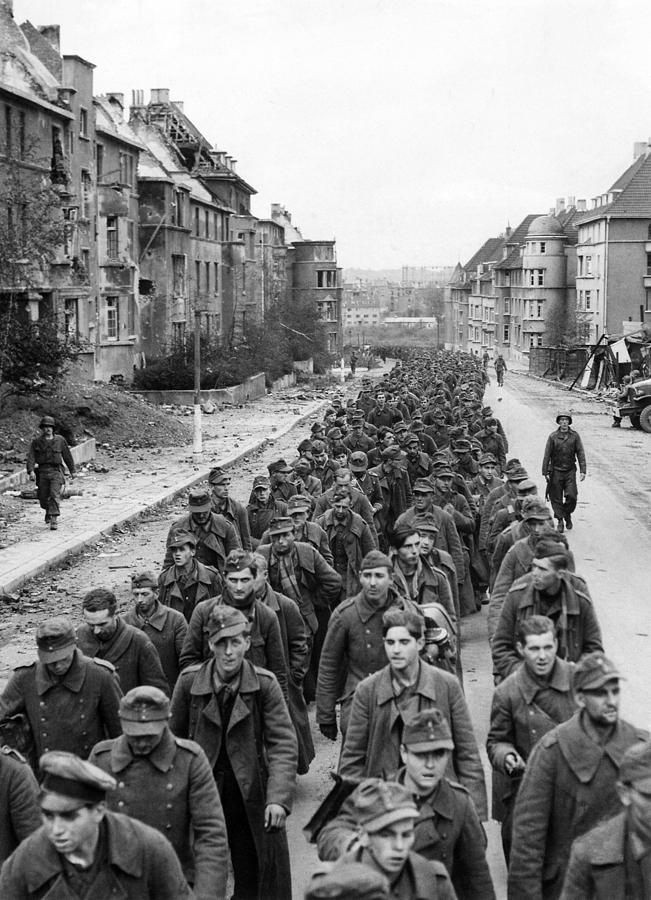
(582, 754)
(571, 598)
(124, 852)
(365, 609)
(157, 619)
(203, 680)
(354, 524)
(424, 686)
(162, 756)
(73, 681)
(561, 680)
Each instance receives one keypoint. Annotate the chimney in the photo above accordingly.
(233, 165)
(508, 231)
(571, 201)
(581, 205)
(52, 34)
(117, 98)
(160, 95)
(640, 148)
(560, 205)
(137, 98)
(179, 104)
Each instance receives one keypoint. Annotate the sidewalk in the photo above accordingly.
(142, 479)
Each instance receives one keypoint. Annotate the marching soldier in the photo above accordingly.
(45, 460)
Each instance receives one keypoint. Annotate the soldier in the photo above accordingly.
(611, 862)
(563, 450)
(384, 701)
(262, 508)
(45, 459)
(396, 489)
(165, 627)
(415, 577)
(281, 487)
(365, 482)
(215, 535)
(547, 590)
(348, 881)
(323, 468)
(357, 440)
(385, 818)
(70, 701)
(419, 464)
(534, 698)
(224, 505)
(299, 509)
(353, 644)
(306, 484)
(104, 635)
(18, 801)
(187, 581)
(447, 828)
(83, 850)
(265, 642)
(360, 503)
(382, 414)
(166, 782)
(569, 783)
(349, 539)
(236, 713)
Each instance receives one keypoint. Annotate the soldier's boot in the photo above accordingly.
(53, 523)
(568, 522)
(560, 526)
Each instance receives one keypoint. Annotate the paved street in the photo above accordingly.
(610, 542)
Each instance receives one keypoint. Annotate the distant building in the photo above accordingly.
(315, 278)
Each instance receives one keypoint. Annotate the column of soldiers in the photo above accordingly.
(167, 740)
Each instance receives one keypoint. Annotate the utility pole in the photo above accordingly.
(197, 439)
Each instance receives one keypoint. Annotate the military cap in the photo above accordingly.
(67, 774)
(317, 428)
(487, 411)
(426, 523)
(339, 450)
(517, 473)
(54, 639)
(180, 537)
(462, 445)
(341, 492)
(412, 439)
(199, 501)
(278, 466)
(280, 525)
(335, 434)
(330, 411)
(487, 459)
(416, 415)
(358, 417)
(226, 621)
(423, 486)
(525, 486)
(438, 414)
(144, 580)
(476, 444)
(399, 427)
(563, 414)
(218, 476)
(318, 447)
(47, 421)
(358, 461)
(593, 671)
(401, 533)
(417, 425)
(305, 446)
(490, 422)
(237, 560)
(392, 452)
(443, 471)
(534, 509)
(635, 767)
(298, 503)
(302, 465)
(371, 430)
(261, 481)
(349, 881)
(375, 559)
(428, 730)
(551, 546)
(144, 710)
(379, 803)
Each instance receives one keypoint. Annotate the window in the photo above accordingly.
(580, 301)
(216, 278)
(112, 237)
(588, 299)
(178, 334)
(196, 221)
(588, 265)
(178, 209)
(83, 122)
(99, 161)
(197, 277)
(647, 305)
(507, 307)
(86, 190)
(9, 137)
(85, 260)
(206, 223)
(131, 236)
(207, 268)
(539, 309)
(536, 277)
(112, 318)
(215, 225)
(326, 278)
(70, 318)
(178, 275)
(507, 334)
(543, 247)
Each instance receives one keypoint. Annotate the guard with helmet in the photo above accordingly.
(45, 460)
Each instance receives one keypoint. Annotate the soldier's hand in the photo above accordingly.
(329, 730)
(514, 764)
(582, 476)
(274, 816)
(32, 476)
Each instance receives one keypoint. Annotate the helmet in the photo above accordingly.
(563, 414)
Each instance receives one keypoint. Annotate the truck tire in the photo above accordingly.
(635, 422)
(645, 419)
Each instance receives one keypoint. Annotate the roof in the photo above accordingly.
(545, 225)
(633, 197)
(486, 253)
(109, 120)
(165, 154)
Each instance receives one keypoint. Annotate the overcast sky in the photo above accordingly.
(409, 130)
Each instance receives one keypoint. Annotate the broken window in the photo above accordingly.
(112, 237)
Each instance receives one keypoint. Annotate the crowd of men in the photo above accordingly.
(150, 753)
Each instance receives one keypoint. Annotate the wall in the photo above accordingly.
(250, 389)
(626, 269)
(82, 453)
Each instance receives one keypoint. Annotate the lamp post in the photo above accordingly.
(197, 438)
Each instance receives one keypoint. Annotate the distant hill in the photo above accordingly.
(415, 273)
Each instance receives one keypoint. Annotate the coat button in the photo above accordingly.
(170, 786)
(168, 806)
(121, 784)
(120, 802)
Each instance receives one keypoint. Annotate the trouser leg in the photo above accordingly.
(50, 485)
(555, 487)
(244, 855)
(571, 492)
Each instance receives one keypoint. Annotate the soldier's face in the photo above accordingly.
(102, 623)
(67, 825)
(601, 705)
(538, 526)
(61, 666)
(409, 551)
(563, 423)
(357, 428)
(375, 583)
(422, 500)
(228, 654)
(182, 555)
(390, 847)
(144, 744)
(281, 477)
(282, 543)
(144, 599)
(487, 470)
(48, 432)
(341, 507)
(299, 518)
(240, 584)
(402, 648)
(539, 653)
(425, 768)
(544, 574)
(412, 449)
(426, 542)
(262, 495)
(201, 517)
(220, 491)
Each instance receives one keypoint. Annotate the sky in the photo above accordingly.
(409, 130)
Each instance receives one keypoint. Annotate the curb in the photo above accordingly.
(561, 387)
(80, 542)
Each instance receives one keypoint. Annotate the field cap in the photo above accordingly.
(525, 485)
(348, 881)
(534, 509)
(67, 774)
(280, 525)
(200, 501)
(392, 452)
(358, 461)
(298, 503)
(593, 671)
(379, 803)
(318, 447)
(144, 710)
(412, 439)
(45, 421)
(635, 767)
(226, 621)
(181, 537)
(486, 459)
(426, 523)
(375, 559)
(423, 486)
(144, 580)
(428, 730)
(517, 473)
(261, 481)
(54, 639)
(218, 476)
(278, 466)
